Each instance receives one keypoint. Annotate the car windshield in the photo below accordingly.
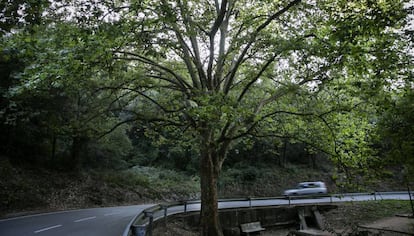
(308, 185)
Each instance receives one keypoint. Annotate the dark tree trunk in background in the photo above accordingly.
(282, 158)
(78, 146)
(53, 154)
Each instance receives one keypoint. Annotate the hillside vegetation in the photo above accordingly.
(27, 189)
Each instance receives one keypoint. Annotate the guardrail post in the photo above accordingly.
(330, 196)
(411, 200)
(165, 208)
(185, 206)
(250, 201)
(150, 215)
(375, 196)
(138, 230)
(289, 200)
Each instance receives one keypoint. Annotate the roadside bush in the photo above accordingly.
(246, 174)
(125, 179)
(168, 182)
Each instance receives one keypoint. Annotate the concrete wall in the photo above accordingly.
(276, 216)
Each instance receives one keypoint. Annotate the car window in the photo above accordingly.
(301, 186)
(308, 185)
(313, 185)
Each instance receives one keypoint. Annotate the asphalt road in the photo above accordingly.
(112, 221)
(109, 221)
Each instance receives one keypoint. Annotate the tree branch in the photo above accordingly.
(180, 81)
(222, 47)
(258, 75)
(230, 78)
(190, 28)
(142, 94)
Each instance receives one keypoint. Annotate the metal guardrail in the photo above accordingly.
(142, 224)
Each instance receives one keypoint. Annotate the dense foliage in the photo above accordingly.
(191, 84)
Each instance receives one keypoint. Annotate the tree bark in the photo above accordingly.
(210, 166)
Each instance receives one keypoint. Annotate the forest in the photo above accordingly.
(219, 91)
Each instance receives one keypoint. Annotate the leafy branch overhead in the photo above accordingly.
(197, 49)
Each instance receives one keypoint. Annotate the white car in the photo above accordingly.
(307, 188)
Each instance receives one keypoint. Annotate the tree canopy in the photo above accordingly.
(215, 73)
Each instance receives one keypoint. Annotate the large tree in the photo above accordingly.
(226, 69)
(223, 70)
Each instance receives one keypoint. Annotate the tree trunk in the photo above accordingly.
(282, 158)
(78, 146)
(53, 154)
(210, 165)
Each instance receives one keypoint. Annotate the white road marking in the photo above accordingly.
(44, 229)
(113, 213)
(85, 219)
(40, 214)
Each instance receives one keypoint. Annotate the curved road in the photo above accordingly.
(112, 221)
(108, 221)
